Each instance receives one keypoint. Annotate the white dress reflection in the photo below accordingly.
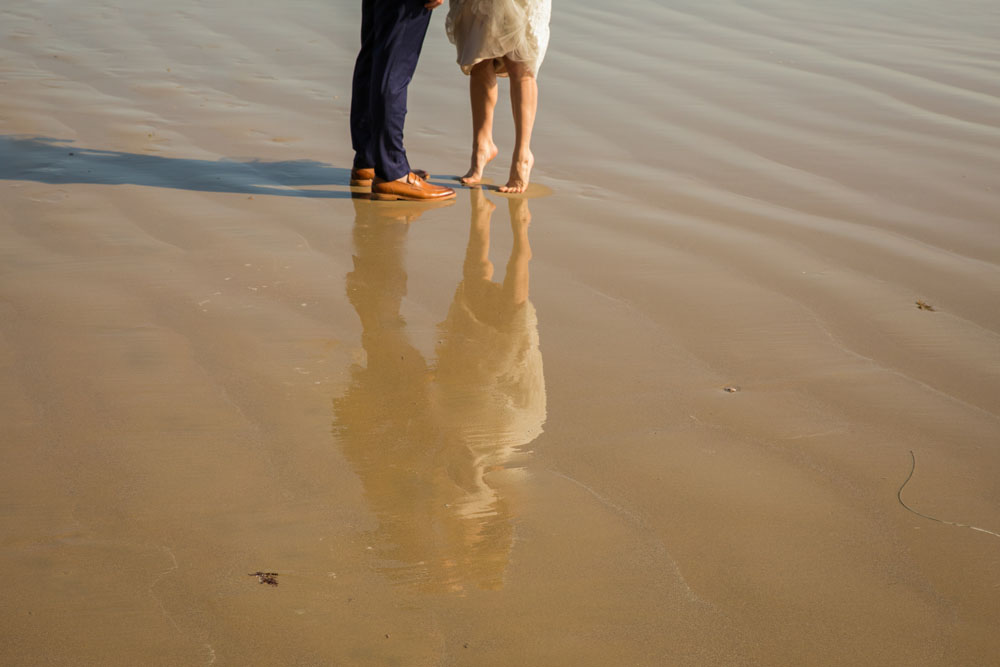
(435, 447)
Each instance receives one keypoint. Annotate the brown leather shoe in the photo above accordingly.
(366, 175)
(414, 188)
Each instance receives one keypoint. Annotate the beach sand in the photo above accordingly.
(467, 436)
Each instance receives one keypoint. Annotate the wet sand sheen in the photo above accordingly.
(214, 362)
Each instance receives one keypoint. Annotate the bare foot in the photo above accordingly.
(480, 157)
(481, 205)
(520, 171)
(520, 214)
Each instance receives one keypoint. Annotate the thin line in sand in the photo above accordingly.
(899, 496)
(638, 520)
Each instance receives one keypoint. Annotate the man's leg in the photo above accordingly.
(361, 128)
(400, 31)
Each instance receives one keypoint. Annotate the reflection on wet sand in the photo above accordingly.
(426, 440)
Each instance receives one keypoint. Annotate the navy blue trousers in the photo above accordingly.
(392, 34)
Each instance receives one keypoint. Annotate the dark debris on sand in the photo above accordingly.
(269, 578)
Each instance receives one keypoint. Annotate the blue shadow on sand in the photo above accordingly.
(56, 161)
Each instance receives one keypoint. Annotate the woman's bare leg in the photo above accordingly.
(477, 264)
(483, 96)
(524, 103)
(515, 279)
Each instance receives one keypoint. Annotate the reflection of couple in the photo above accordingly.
(493, 38)
(433, 445)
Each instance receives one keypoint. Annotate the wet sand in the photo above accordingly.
(497, 432)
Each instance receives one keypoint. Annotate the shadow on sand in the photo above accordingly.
(57, 161)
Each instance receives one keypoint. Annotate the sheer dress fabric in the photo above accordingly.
(490, 29)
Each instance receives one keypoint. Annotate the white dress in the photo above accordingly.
(489, 29)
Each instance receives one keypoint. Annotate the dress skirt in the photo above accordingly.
(490, 29)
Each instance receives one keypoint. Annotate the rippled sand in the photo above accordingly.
(496, 432)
